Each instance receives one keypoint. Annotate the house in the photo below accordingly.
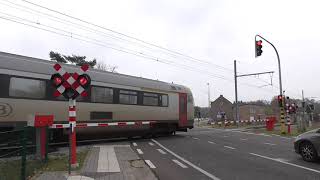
(221, 109)
(249, 111)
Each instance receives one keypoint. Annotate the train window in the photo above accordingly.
(150, 99)
(164, 100)
(28, 88)
(128, 97)
(190, 98)
(101, 94)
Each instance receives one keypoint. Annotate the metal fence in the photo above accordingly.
(18, 158)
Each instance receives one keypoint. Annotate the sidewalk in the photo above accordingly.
(107, 162)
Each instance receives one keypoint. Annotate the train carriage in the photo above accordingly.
(26, 91)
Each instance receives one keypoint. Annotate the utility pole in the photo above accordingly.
(236, 92)
(209, 101)
(236, 86)
(282, 116)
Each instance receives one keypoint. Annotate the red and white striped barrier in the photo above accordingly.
(242, 121)
(84, 125)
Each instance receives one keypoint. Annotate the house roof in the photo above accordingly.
(221, 98)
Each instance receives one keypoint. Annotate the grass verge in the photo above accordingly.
(11, 169)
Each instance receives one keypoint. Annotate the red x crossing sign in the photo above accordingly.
(70, 85)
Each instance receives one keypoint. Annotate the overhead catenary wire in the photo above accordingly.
(134, 53)
(97, 42)
(66, 22)
(78, 25)
(128, 36)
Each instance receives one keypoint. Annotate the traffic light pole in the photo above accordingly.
(282, 121)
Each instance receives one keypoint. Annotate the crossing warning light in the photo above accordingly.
(280, 100)
(84, 80)
(56, 80)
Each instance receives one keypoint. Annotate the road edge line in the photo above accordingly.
(277, 160)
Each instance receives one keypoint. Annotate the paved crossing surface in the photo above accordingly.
(108, 162)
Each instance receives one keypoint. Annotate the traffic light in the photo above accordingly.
(280, 100)
(258, 48)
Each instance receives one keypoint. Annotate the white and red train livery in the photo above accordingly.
(114, 100)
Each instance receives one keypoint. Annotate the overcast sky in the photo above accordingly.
(213, 32)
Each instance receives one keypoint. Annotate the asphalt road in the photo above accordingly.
(223, 154)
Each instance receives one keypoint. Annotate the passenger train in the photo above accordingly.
(26, 91)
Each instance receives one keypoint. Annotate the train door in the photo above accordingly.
(182, 109)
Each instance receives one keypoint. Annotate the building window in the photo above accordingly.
(252, 110)
(150, 99)
(28, 88)
(101, 95)
(128, 97)
(164, 100)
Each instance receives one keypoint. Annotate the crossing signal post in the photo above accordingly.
(282, 113)
(71, 85)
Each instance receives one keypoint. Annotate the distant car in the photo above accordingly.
(308, 145)
(210, 120)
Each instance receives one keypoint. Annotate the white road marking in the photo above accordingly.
(150, 164)
(195, 138)
(225, 136)
(161, 151)
(276, 135)
(134, 144)
(271, 144)
(284, 162)
(107, 161)
(79, 177)
(187, 162)
(179, 163)
(262, 134)
(247, 132)
(151, 144)
(243, 139)
(285, 138)
(229, 147)
(139, 151)
(211, 142)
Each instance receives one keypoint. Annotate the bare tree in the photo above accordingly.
(104, 67)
